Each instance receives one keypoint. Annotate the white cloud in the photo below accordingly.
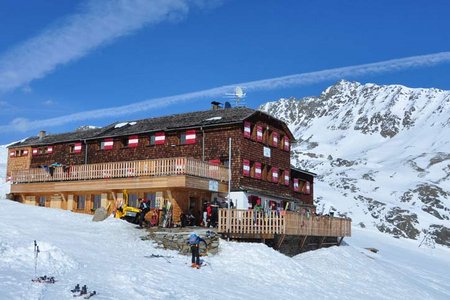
(99, 22)
(266, 84)
(27, 89)
(49, 102)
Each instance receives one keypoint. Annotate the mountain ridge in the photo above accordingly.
(382, 155)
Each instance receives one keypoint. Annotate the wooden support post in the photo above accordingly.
(302, 242)
(321, 242)
(63, 196)
(340, 241)
(114, 197)
(280, 241)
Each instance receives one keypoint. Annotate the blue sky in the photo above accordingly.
(68, 63)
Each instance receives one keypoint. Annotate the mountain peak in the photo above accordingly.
(381, 152)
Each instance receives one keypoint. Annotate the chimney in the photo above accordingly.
(42, 134)
(215, 105)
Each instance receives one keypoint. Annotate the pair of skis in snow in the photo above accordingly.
(79, 292)
(44, 279)
(40, 279)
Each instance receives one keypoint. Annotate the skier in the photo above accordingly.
(194, 241)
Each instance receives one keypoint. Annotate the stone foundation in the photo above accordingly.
(176, 239)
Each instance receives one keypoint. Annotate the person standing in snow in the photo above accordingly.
(194, 241)
(145, 208)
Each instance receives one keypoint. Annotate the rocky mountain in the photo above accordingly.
(382, 155)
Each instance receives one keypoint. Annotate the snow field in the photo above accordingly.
(109, 257)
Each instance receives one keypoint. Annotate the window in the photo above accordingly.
(285, 144)
(245, 167)
(81, 202)
(131, 141)
(75, 148)
(247, 130)
(258, 170)
(106, 144)
(259, 133)
(133, 200)
(42, 200)
(151, 197)
(306, 187)
(296, 185)
(275, 139)
(286, 178)
(274, 175)
(97, 201)
(188, 137)
(159, 138)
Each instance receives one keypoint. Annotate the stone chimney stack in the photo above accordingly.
(215, 105)
(42, 134)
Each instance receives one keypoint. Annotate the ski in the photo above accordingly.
(44, 279)
(90, 295)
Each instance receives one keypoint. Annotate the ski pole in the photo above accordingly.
(36, 253)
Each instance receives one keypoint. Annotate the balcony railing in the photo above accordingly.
(152, 167)
(249, 222)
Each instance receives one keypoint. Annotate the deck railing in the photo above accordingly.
(248, 222)
(151, 167)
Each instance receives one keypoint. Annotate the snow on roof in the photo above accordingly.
(213, 119)
(120, 125)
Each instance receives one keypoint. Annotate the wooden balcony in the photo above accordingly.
(248, 224)
(129, 169)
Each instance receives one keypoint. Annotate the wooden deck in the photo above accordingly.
(128, 169)
(247, 224)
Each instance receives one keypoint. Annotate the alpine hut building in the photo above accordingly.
(183, 160)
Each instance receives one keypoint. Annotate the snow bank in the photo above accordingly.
(110, 258)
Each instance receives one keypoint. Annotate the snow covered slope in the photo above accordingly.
(109, 257)
(382, 154)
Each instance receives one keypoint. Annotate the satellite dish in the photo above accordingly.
(237, 95)
(227, 105)
(239, 92)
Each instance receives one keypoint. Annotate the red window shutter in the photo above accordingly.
(190, 137)
(259, 133)
(274, 174)
(77, 148)
(12, 154)
(287, 145)
(108, 144)
(25, 152)
(35, 151)
(246, 167)
(247, 129)
(133, 141)
(275, 139)
(286, 177)
(296, 188)
(160, 138)
(258, 170)
(50, 149)
(307, 188)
